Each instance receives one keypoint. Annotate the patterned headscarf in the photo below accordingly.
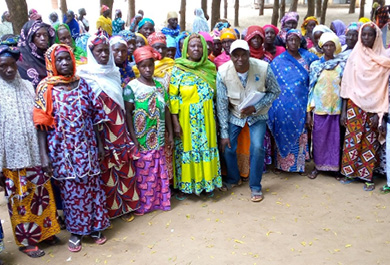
(228, 33)
(288, 17)
(294, 32)
(157, 37)
(100, 38)
(44, 102)
(9, 51)
(305, 22)
(127, 35)
(353, 26)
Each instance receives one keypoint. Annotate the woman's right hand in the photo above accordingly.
(46, 164)
(309, 121)
(177, 129)
(343, 119)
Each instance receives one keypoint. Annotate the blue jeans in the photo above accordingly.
(257, 132)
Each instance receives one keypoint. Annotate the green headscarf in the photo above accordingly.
(205, 69)
(78, 52)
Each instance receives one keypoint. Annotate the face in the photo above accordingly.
(41, 39)
(64, 37)
(64, 64)
(119, 51)
(146, 68)
(7, 16)
(8, 68)
(119, 14)
(106, 13)
(171, 52)
(53, 17)
(332, 28)
(226, 43)
(217, 47)
(146, 30)
(181, 42)
(310, 26)
(172, 23)
(293, 43)
(101, 52)
(329, 49)
(83, 12)
(69, 17)
(131, 45)
(209, 47)
(240, 59)
(368, 37)
(139, 42)
(269, 35)
(256, 42)
(291, 24)
(351, 38)
(161, 49)
(195, 50)
(316, 37)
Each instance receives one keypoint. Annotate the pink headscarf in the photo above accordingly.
(206, 36)
(271, 26)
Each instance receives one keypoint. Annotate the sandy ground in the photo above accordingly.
(300, 221)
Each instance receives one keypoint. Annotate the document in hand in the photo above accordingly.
(252, 99)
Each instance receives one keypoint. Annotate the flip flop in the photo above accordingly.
(99, 238)
(385, 189)
(347, 180)
(180, 196)
(313, 174)
(369, 186)
(257, 198)
(74, 243)
(32, 251)
(127, 217)
(53, 240)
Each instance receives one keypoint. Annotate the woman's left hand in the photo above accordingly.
(374, 121)
(101, 152)
(248, 110)
(170, 142)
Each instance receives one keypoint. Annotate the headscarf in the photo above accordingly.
(228, 33)
(181, 36)
(321, 28)
(259, 53)
(44, 103)
(10, 40)
(32, 63)
(127, 35)
(144, 21)
(271, 26)
(366, 75)
(171, 42)
(330, 36)
(294, 32)
(203, 69)
(74, 27)
(364, 20)
(79, 54)
(157, 37)
(104, 8)
(144, 53)
(200, 22)
(125, 70)
(206, 37)
(104, 23)
(340, 30)
(9, 51)
(143, 37)
(305, 22)
(102, 77)
(172, 14)
(288, 17)
(353, 26)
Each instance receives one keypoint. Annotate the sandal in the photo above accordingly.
(128, 217)
(385, 189)
(210, 194)
(99, 238)
(181, 196)
(32, 251)
(369, 186)
(74, 243)
(53, 240)
(313, 174)
(277, 171)
(347, 180)
(228, 186)
(257, 198)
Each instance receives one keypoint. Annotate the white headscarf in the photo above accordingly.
(100, 77)
(200, 22)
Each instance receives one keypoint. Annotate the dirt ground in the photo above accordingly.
(300, 221)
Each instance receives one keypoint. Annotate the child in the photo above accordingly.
(147, 114)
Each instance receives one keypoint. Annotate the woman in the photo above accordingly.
(200, 22)
(117, 167)
(291, 71)
(35, 38)
(70, 20)
(104, 22)
(118, 24)
(338, 27)
(180, 40)
(67, 113)
(317, 32)
(270, 33)
(146, 27)
(140, 40)
(228, 36)
(63, 36)
(351, 38)
(172, 29)
(28, 190)
(210, 42)
(307, 30)
(324, 106)
(364, 90)
(192, 91)
(147, 100)
(255, 37)
(120, 52)
(171, 47)
(131, 40)
(288, 21)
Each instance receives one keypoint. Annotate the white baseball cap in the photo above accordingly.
(239, 44)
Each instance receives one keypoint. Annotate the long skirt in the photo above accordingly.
(117, 168)
(360, 145)
(31, 205)
(295, 160)
(84, 204)
(326, 142)
(153, 181)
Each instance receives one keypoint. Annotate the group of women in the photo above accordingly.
(103, 132)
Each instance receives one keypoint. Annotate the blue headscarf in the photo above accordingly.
(127, 35)
(181, 36)
(144, 21)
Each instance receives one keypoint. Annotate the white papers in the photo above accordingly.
(251, 100)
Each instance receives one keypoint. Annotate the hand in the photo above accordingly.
(309, 121)
(46, 165)
(343, 119)
(223, 143)
(170, 142)
(374, 121)
(177, 130)
(101, 152)
(248, 110)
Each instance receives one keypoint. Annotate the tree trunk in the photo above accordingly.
(236, 9)
(215, 12)
(323, 13)
(275, 13)
(63, 8)
(352, 7)
(204, 8)
(318, 8)
(225, 8)
(282, 8)
(108, 3)
(362, 3)
(19, 14)
(310, 8)
(54, 4)
(130, 11)
(261, 8)
(294, 6)
(182, 12)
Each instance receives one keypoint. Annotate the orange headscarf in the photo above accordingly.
(144, 53)
(43, 107)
